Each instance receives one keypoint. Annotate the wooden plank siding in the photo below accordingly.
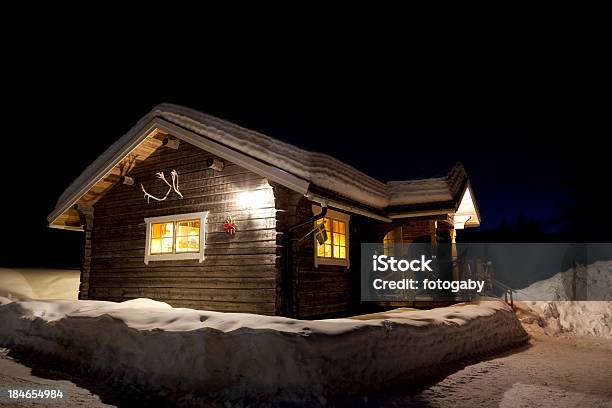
(86, 263)
(325, 290)
(418, 230)
(72, 218)
(239, 273)
(322, 290)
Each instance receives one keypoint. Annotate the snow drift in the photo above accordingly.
(243, 356)
(582, 318)
(39, 283)
(553, 309)
(591, 283)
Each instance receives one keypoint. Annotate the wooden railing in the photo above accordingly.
(507, 291)
(484, 271)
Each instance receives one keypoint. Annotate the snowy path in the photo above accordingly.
(16, 374)
(82, 392)
(552, 372)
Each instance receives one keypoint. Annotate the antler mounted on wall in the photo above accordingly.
(173, 186)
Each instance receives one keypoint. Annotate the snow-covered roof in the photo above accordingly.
(300, 168)
(435, 189)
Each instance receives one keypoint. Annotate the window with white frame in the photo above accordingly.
(175, 237)
(335, 250)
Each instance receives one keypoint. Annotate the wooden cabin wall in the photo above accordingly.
(322, 290)
(86, 262)
(417, 229)
(239, 273)
(330, 289)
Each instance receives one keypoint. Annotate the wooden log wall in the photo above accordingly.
(418, 229)
(86, 263)
(326, 289)
(330, 289)
(239, 273)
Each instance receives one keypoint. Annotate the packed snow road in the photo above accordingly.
(18, 375)
(22, 372)
(549, 372)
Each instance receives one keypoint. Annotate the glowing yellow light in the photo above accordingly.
(254, 199)
(466, 213)
(184, 234)
(335, 245)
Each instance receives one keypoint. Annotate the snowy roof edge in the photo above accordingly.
(317, 168)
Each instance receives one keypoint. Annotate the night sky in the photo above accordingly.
(391, 124)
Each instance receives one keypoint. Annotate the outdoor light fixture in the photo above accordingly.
(127, 180)
(215, 164)
(171, 143)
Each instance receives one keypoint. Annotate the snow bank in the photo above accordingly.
(583, 318)
(548, 302)
(594, 283)
(33, 283)
(240, 356)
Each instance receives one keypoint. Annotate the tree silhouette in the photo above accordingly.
(587, 215)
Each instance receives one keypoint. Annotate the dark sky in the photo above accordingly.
(66, 109)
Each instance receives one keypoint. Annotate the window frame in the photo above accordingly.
(199, 255)
(338, 216)
(389, 243)
(396, 241)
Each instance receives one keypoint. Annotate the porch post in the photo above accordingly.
(455, 265)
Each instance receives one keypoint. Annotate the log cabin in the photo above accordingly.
(198, 212)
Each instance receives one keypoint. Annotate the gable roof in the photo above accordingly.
(286, 164)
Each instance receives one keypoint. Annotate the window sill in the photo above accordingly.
(331, 261)
(174, 257)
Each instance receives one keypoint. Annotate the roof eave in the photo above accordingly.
(136, 137)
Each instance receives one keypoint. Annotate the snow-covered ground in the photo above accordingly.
(79, 392)
(243, 356)
(32, 283)
(183, 353)
(593, 283)
(551, 372)
(548, 303)
(582, 318)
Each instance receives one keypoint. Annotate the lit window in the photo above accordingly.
(161, 238)
(334, 250)
(187, 236)
(388, 242)
(175, 237)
